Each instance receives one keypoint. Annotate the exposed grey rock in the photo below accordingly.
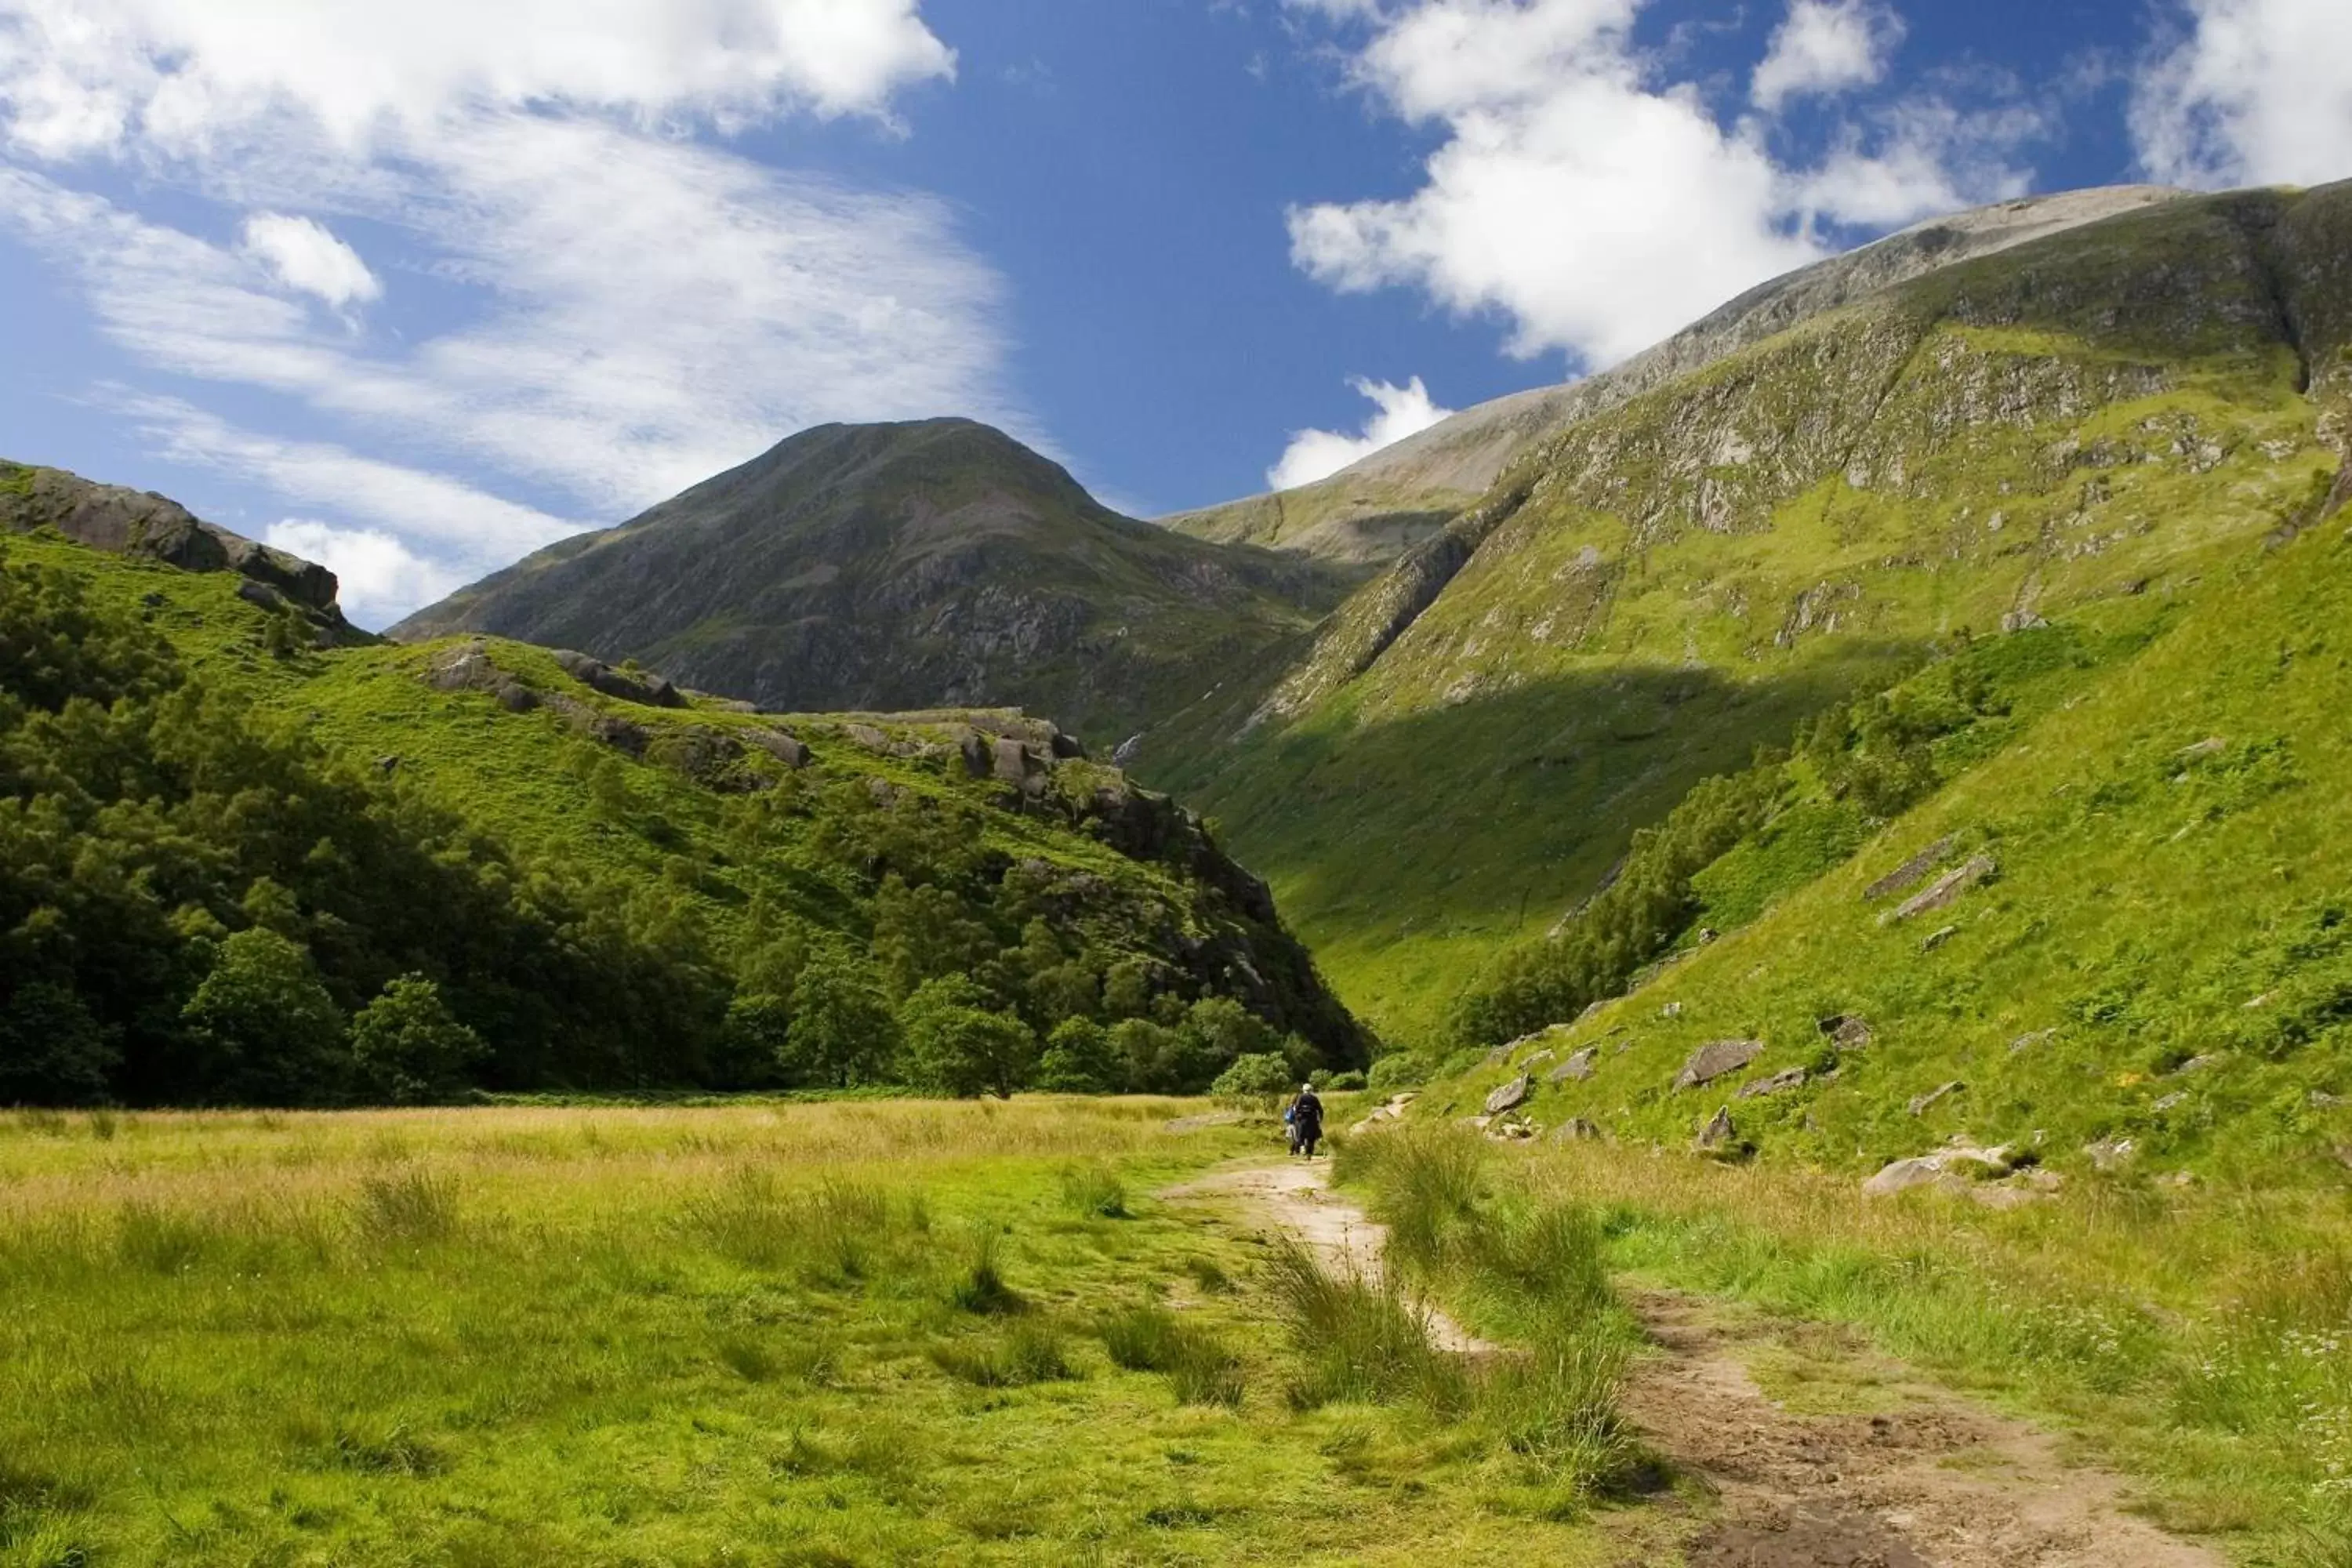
(1013, 762)
(1507, 1095)
(1671, 1010)
(2198, 1063)
(1923, 1170)
(652, 690)
(2205, 747)
(1712, 1060)
(1066, 747)
(1785, 1078)
(1921, 1102)
(516, 698)
(2323, 1100)
(1938, 938)
(465, 668)
(1575, 1130)
(261, 595)
(1577, 1066)
(2022, 621)
(787, 749)
(978, 757)
(1946, 888)
(2111, 1154)
(2170, 1101)
(2027, 1042)
(1908, 874)
(1719, 1135)
(1124, 752)
(1846, 1032)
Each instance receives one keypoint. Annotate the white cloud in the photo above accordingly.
(2259, 92)
(1594, 206)
(1398, 411)
(1825, 47)
(307, 256)
(612, 306)
(380, 578)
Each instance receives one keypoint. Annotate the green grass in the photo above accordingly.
(611, 1335)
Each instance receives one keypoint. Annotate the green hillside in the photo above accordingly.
(2100, 425)
(226, 839)
(914, 565)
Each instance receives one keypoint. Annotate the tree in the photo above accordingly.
(1227, 1031)
(1262, 1076)
(957, 1044)
(1160, 1059)
(843, 1029)
(923, 932)
(408, 1048)
(271, 1029)
(52, 1052)
(1127, 988)
(1080, 1059)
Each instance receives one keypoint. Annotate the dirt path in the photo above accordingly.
(1895, 1472)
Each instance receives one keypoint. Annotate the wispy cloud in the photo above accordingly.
(491, 249)
(2249, 91)
(1397, 411)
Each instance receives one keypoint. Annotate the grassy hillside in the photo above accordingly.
(2108, 420)
(607, 881)
(890, 566)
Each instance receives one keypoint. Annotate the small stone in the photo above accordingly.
(1921, 1102)
(1902, 1175)
(1946, 889)
(2198, 1064)
(1712, 1060)
(1718, 1133)
(1908, 873)
(1785, 1078)
(2027, 1042)
(2322, 1101)
(1507, 1095)
(386, 764)
(2177, 1179)
(1707, 934)
(2170, 1101)
(1575, 1130)
(2205, 747)
(1934, 939)
(1671, 1010)
(2110, 1153)
(1579, 1067)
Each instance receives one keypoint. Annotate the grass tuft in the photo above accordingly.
(1200, 1369)
(1093, 1189)
(1028, 1352)
(406, 1207)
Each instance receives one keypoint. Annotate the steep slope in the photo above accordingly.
(906, 565)
(2121, 409)
(2116, 939)
(1380, 505)
(612, 882)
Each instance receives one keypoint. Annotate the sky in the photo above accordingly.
(413, 290)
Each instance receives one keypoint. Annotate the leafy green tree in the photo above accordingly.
(956, 1043)
(1080, 1059)
(1227, 1031)
(407, 1046)
(1160, 1059)
(271, 1029)
(923, 932)
(1262, 1076)
(1065, 990)
(844, 1031)
(1127, 989)
(52, 1052)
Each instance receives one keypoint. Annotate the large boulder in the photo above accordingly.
(1712, 1060)
(1946, 888)
(1718, 1136)
(1907, 875)
(649, 689)
(1577, 1066)
(1507, 1095)
(1785, 1078)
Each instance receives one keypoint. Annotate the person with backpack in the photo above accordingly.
(1305, 1118)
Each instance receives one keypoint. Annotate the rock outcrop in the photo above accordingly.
(1715, 1059)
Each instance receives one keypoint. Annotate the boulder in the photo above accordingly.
(2198, 1063)
(649, 689)
(1946, 888)
(1846, 1032)
(1921, 1102)
(2323, 1100)
(2172, 1101)
(2027, 1042)
(1066, 747)
(978, 759)
(1507, 1095)
(1575, 1130)
(1942, 1168)
(261, 595)
(1013, 762)
(1908, 874)
(465, 668)
(1712, 1060)
(1785, 1078)
(1902, 1175)
(785, 748)
(1577, 1066)
(516, 698)
(1719, 1135)
(1936, 939)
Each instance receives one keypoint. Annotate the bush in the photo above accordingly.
(843, 1032)
(407, 1049)
(1263, 1075)
(52, 1052)
(1399, 1070)
(1343, 1082)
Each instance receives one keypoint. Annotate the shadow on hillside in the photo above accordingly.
(1491, 817)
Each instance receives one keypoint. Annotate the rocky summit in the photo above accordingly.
(939, 563)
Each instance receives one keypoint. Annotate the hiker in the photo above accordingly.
(1306, 1119)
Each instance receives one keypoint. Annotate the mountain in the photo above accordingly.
(1386, 501)
(910, 565)
(2095, 429)
(224, 849)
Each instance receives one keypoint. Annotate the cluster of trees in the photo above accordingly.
(198, 905)
(1878, 753)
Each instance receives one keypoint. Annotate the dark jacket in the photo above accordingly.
(1307, 1113)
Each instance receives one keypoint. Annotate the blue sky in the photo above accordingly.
(414, 289)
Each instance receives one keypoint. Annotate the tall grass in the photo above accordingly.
(1200, 1369)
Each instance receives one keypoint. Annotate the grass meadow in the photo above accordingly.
(761, 1334)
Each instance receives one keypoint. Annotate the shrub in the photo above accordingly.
(1399, 1069)
(269, 1027)
(1263, 1075)
(1080, 1059)
(956, 1044)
